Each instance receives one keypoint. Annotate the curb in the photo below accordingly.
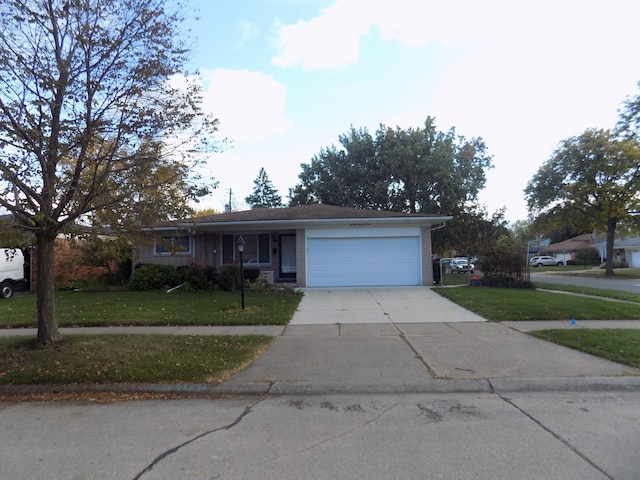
(434, 386)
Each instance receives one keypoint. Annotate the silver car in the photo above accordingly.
(545, 262)
(461, 265)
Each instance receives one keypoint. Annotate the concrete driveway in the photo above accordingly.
(366, 338)
(378, 305)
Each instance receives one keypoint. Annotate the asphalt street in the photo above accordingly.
(526, 435)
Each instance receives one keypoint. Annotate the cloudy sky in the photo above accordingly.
(287, 77)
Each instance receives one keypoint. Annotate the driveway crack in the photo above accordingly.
(177, 448)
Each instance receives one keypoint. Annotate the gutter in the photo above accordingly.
(306, 222)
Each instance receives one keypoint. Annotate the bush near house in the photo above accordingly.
(504, 265)
(586, 256)
(230, 277)
(194, 277)
(69, 270)
(154, 277)
(617, 264)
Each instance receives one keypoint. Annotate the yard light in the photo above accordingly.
(240, 243)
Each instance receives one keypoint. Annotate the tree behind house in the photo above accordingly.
(264, 194)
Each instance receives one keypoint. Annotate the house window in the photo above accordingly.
(173, 245)
(256, 250)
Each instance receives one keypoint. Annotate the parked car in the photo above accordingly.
(545, 262)
(461, 265)
(11, 271)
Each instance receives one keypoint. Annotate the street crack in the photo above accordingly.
(177, 448)
(561, 439)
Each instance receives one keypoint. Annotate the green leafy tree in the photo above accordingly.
(596, 176)
(112, 253)
(352, 176)
(94, 121)
(629, 119)
(414, 170)
(264, 195)
(469, 231)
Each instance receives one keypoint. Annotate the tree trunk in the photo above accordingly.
(47, 322)
(611, 237)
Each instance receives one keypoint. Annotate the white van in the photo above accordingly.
(11, 271)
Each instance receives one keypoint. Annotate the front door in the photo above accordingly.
(288, 257)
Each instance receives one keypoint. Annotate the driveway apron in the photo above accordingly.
(378, 305)
(394, 337)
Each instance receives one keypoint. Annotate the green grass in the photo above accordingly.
(597, 292)
(618, 345)
(450, 279)
(529, 304)
(127, 358)
(155, 308)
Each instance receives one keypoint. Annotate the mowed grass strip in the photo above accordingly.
(127, 359)
(597, 292)
(501, 304)
(618, 345)
(155, 308)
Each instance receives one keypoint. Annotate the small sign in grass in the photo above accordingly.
(127, 359)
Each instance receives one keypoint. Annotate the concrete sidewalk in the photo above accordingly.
(394, 340)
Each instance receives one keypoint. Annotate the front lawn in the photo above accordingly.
(127, 358)
(155, 308)
(529, 304)
(618, 345)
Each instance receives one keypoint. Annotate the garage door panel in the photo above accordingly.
(353, 262)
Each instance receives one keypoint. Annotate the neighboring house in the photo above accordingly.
(312, 245)
(566, 250)
(625, 249)
(535, 245)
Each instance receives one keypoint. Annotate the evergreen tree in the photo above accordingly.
(264, 195)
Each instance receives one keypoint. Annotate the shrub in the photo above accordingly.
(251, 274)
(230, 278)
(587, 256)
(504, 265)
(260, 284)
(153, 277)
(616, 264)
(195, 277)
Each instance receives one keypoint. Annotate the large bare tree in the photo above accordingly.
(95, 119)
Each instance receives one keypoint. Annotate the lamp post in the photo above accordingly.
(240, 243)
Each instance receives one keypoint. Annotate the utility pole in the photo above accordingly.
(228, 207)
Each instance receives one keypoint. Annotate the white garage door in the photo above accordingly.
(361, 262)
(635, 259)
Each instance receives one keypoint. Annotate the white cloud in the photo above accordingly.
(249, 105)
(330, 40)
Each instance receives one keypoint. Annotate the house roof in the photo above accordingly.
(620, 243)
(302, 215)
(580, 242)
